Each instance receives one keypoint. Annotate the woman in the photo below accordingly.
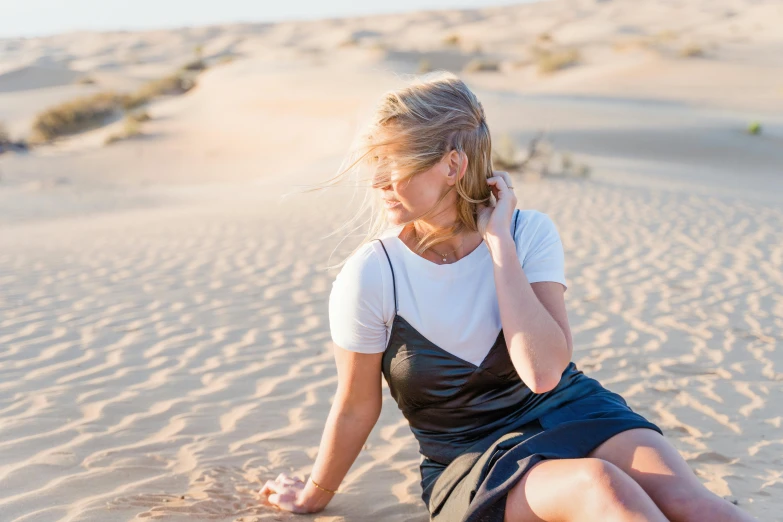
(461, 308)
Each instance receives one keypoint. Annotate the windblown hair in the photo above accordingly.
(414, 128)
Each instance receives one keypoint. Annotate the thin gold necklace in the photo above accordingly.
(436, 253)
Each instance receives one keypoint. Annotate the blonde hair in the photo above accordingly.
(423, 121)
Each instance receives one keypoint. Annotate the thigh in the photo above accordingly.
(583, 489)
(647, 457)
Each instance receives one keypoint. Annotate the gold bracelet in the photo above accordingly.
(321, 487)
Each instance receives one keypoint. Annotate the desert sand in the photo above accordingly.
(164, 342)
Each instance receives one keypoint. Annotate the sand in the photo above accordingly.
(164, 343)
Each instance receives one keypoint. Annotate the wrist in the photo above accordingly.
(313, 498)
(498, 244)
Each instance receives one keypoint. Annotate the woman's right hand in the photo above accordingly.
(291, 494)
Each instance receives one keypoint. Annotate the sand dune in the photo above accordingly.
(164, 343)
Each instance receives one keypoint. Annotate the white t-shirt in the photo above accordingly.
(453, 305)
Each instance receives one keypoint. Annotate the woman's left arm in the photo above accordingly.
(534, 319)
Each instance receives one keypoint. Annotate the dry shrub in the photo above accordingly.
(75, 116)
(195, 65)
(451, 40)
(174, 84)
(692, 51)
(140, 116)
(505, 154)
(131, 129)
(94, 110)
(481, 65)
(537, 159)
(424, 66)
(553, 60)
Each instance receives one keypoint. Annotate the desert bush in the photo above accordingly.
(754, 128)
(131, 129)
(451, 40)
(139, 116)
(481, 65)
(75, 116)
(94, 110)
(424, 66)
(351, 41)
(505, 154)
(86, 80)
(544, 37)
(536, 158)
(195, 65)
(692, 51)
(177, 83)
(552, 60)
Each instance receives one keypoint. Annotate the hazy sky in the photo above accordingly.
(41, 17)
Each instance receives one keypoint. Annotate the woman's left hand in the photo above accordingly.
(496, 220)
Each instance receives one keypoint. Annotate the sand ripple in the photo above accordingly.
(162, 364)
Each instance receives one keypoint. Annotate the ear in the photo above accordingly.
(456, 171)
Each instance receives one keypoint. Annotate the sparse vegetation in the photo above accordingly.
(174, 84)
(95, 110)
(754, 128)
(139, 116)
(553, 60)
(197, 63)
(424, 66)
(537, 159)
(692, 51)
(664, 36)
(8, 144)
(131, 129)
(86, 80)
(451, 40)
(351, 41)
(481, 65)
(75, 116)
(505, 154)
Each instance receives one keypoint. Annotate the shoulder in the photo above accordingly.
(363, 269)
(358, 311)
(539, 247)
(534, 225)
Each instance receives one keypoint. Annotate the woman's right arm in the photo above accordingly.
(359, 310)
(354, 412)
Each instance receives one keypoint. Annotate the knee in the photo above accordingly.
(602, 486)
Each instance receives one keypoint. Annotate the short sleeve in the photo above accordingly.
(356, 304)
(540, 248)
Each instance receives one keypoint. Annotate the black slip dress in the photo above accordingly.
(480, 428)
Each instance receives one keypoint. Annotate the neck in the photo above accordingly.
(453, 249)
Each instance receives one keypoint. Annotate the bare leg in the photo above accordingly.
(584, 490)
(647, 457)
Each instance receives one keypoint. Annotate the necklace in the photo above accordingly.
(443, 256)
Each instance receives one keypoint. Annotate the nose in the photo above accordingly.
(381, 180)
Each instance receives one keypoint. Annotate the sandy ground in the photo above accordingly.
(164, 343)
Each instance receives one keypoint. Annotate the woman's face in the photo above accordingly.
(407, 199)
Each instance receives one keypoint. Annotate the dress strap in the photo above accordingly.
(394, 283)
